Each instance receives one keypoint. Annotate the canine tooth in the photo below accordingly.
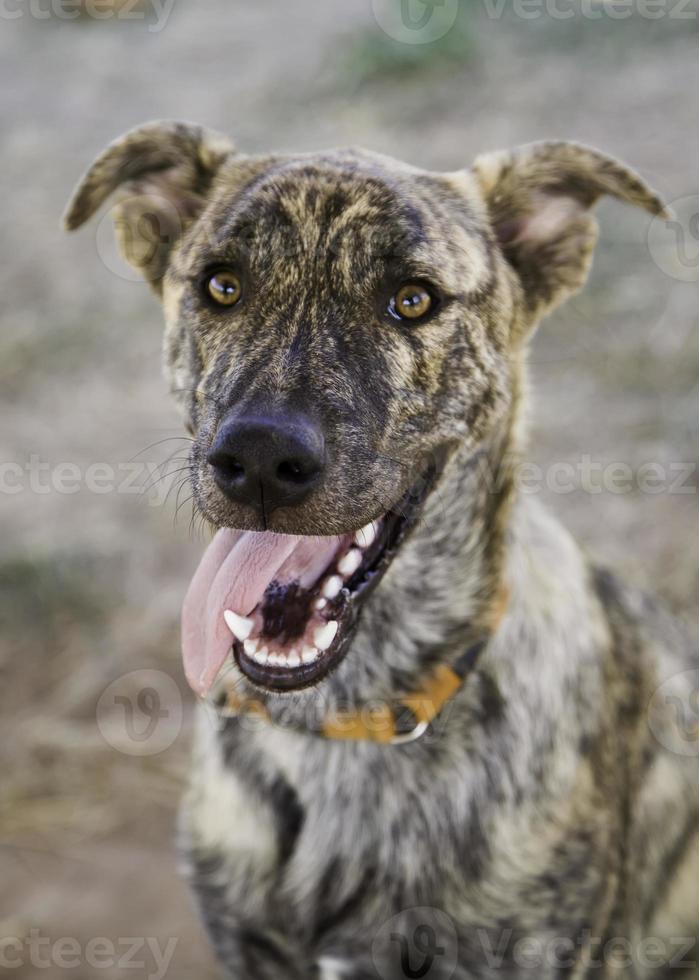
(321, 603)
(350, 563)
(250, 647)
(293, 659)
(366, 535)
(324, 635)
(332, 587)
(261, 656)
(308, 655)
(240, 626)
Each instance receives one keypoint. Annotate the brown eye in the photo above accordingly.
(411, 302)
(224, 287)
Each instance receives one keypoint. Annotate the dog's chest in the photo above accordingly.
(328, 837)
(326, 825)
(357, 824)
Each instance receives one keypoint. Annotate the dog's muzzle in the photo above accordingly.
(286, 606)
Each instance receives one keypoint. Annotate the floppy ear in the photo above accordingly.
(163, 172)
(539, 198)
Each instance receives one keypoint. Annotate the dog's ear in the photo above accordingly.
(163, 172)
(539, 198)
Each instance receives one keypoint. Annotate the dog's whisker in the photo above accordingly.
(180, 506)
(155, 481)
(160, 442)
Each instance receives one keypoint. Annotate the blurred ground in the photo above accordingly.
(91, 582)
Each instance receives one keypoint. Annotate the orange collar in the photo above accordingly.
(389, 723)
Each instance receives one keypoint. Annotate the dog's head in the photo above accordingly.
(337, 323)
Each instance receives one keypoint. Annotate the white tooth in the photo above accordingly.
(250, 647)
(276, 660)
(240, 627)
(321, 603)
(324, 635)
(366, 536)
(309, 654)
(350, 563)
(261, 656)
(293, 659)
(332, 587)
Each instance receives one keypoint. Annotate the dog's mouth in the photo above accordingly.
(286, 606)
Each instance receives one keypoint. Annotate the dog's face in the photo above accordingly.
(341, 310)
(337, 324)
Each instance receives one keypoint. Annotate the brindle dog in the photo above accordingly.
(346, 337)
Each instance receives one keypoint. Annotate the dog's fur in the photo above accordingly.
(543, 806)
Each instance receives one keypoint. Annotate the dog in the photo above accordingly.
(447, 745)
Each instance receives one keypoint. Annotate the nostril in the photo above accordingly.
(233, 469)
(227, 466)
(291, 471)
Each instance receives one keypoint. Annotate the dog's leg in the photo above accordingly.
(232, 907)
(235, 844)
(253, 953)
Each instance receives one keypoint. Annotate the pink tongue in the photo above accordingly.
(233, 574)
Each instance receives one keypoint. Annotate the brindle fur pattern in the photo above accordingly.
(541, 806)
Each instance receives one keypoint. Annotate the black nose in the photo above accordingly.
(267, 461)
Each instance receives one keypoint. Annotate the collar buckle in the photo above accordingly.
(412, 736)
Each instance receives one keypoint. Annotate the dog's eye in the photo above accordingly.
(223, 287)
(411, 302)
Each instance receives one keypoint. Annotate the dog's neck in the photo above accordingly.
(446, 585)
